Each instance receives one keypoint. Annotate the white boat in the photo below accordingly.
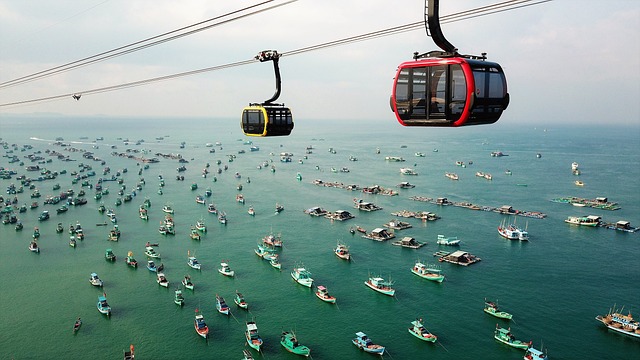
(342, 251)
(451, 241)
(624, 324)
(193, 263)
(408, 171)
(186, 282)
(224, 269)
(162, 280)
(95, 280)
(590, 220)
(302, 276)
(512, 232)
(451, 176)
(380, 285)
(150, 252)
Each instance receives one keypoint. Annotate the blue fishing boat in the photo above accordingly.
(363, 342)
(151, 266)
(418, 330)
(221, 305)
(253, 339)
(302, 276)
(103, 306)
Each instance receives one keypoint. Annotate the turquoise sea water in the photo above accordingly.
(554, 285)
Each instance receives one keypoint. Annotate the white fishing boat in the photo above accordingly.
(225, 270)
(408, 171)
(95, 280)
(162, 280)
(302, 276)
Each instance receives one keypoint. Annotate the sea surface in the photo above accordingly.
(554, 285)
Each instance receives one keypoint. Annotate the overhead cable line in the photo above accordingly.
(464, 15)
(143, 44)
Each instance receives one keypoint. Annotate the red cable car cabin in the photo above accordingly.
(449, 91)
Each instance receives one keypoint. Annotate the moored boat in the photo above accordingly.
(201, 326)
(95, 280)
(591, 220)
(251, 334)
(535, 354)
(273, 240)
(363, 342)
(221, 305)
(240, 301)
(130, 260)
(512, 232)
(624, 324)
(150, 252)
(193, 262)
(178, 298)
(225, 270)
(506, 337)
(323, 294)
(186, 282)
(342, 251)
(109, 255)
(381, 285)
(162, 280)
(103, 306)
(418, 330)
(151, 266)
(491, 308)
(302, 276)
(289, 341)
(428, 272)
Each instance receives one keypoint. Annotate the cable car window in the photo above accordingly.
(419, 91)
(496, 85)
(402, 93)
(458, 91)
(438, 85)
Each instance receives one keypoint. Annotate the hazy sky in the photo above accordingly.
(566, 61)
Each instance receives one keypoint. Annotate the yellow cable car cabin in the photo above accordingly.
(266, 120)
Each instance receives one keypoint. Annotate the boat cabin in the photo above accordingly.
(408, 242)
(366, 206)
(460, 258)
(340, 215)
(442, 201)
(379, 234)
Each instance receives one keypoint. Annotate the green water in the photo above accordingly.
(554, 285)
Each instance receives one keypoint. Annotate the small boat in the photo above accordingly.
(418, 330)
(109, 255)
(491, 308)
(247, 355)
(381, 285)
(151, 266)
(201, 327)
(130, 260)
(251, 334)
(342, 251)
(239, 300)
(512, 232)
(578, 183)
(323, 294)
(72, 241)
(103, 306)
(225, 270)
(162, 280)
(59, 228)
(506, 337)
(450, 241)
(273, 240)
(95, 280)
(222, 217)
(316, 211)
(279, 208)
(624, 324)
(408, 171)
(194, 235)
(363, 342)
(186, 282)
(302, 276)
(251, 211)
(221, 305)
(76, 325)
(452, 176)
(405, 185)
(591, 220)
(200, 225)
(275, 263)
(211, 209)
(534, 354)
(150, 252)
(167, 209)
(193, 263)
(240, 198)
(200, 199)
(178, 299)
(428, 272)
(129, 355)
(289, 341)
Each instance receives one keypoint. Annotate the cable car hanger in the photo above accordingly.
(445, 88)
(268, 118)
